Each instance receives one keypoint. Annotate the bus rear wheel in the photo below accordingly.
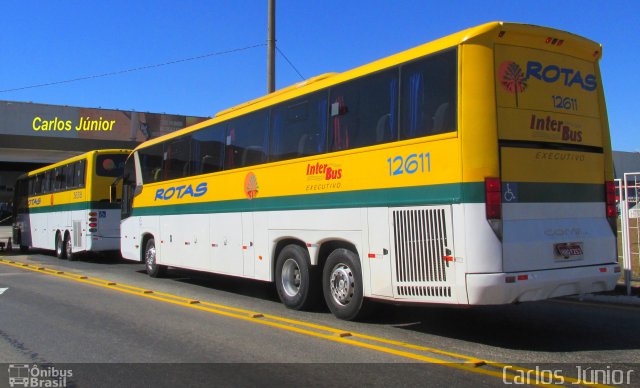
(295, 281)
(68, 247)
(153, 269)
(342, 285)
(60, 247)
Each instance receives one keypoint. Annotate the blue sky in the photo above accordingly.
(42, 42)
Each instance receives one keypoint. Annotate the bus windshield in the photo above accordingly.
(111, 165)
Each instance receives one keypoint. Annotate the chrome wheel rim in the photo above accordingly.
(150, 258)
(342, 284)
(291, 279)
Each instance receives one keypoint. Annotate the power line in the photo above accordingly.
(138, 68)
(289, 62)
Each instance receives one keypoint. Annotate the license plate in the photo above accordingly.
(569, 250)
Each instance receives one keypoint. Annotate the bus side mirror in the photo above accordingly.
(113, 191)
(113, 195)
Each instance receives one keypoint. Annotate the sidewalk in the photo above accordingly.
(617, 296)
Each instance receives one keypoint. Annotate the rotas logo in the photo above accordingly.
(512, 78)
(165, 194)
(515, 80)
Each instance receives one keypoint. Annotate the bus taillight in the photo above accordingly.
(493, 204)
(493, 198)
(612, 210)
(93, 222)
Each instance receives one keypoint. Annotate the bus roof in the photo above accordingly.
(76, 158)
(490, 32)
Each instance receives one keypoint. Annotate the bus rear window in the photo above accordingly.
(110, 165)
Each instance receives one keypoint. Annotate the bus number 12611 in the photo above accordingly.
(410, 164)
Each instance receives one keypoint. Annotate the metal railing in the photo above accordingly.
(629, 231)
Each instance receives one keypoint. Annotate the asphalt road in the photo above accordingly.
(111, 337)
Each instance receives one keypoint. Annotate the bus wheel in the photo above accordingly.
(297, 287)
(68, 246)
(154, 270)
(60, 247)
(342, 285)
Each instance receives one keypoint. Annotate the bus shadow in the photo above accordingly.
(551, 326)
(49, 257)
(232, 285)
(105, 259)
(224, 283)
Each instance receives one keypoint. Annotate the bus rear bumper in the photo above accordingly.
(99, 243)
(505, 288)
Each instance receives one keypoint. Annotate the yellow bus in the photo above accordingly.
(475, 169)
(67, 206)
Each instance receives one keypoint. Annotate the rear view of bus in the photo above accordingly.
(67, 207)
(552, 202)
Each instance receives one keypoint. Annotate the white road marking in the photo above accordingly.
(2, 290)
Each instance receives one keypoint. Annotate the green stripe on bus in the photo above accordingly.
(405, 196)
(94, 205)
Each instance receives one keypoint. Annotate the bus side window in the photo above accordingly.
(79, 177)
(151, 159)
(247, 140)
(429, 95)
(47, 184)
(177, 158)
(30, 186)
(207, 149)
(69, 172)
(299, 127)
(58, 180)
(40, 184)
(364, 111)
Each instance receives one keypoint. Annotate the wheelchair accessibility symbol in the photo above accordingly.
(510, 192)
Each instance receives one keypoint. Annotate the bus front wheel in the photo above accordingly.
(153, 269)
(342, 285)
(295, 280)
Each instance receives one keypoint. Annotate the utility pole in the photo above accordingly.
(271, 48)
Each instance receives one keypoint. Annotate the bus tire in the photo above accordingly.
(153, 269)
(60, 247)
(297, 286)
(68, 247)
(342, 285)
